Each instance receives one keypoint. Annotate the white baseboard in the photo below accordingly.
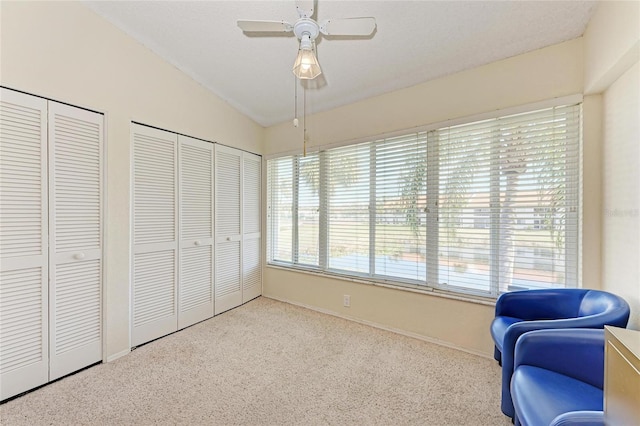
(118, 355)
(384, 327)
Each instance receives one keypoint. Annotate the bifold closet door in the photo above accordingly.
(155, 235)
(195, 286)
(75, 237)
(228, 220)
(24, 340)
(251, 223)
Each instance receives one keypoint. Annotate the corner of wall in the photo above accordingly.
(612, 55)
(611, 43)
(592, 191)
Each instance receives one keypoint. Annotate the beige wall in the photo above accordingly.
(611, 43)
(612, 51)
(65, 52)
(447, 321)
(621, 198)
(536, 76)
(592, 191)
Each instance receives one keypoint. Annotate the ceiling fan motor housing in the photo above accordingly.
(306, 27)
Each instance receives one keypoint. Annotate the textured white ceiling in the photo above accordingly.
(415, 41)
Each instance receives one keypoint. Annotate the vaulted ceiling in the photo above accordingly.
(415, 41)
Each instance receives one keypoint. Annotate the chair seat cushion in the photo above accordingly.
(541, 395)
(499, 328)
(580, 418)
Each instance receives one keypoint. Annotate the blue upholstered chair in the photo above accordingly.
(521, 311)
(558, 378)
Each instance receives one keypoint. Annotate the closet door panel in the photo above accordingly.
(195, 301)
(228, 222)
(24, 341)
(154, 295)
(155, 210)
(251, 219)
(75, 251)
(228, 275)
(252, 269)
(76, 331)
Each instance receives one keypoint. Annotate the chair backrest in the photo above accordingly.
(599, 302)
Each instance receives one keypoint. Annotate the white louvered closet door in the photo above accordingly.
(228, 220)
(24, 362)
(155, 210)
(195, 289)
(251, 221)
(75, 237)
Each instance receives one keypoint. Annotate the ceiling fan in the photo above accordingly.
(306, 29)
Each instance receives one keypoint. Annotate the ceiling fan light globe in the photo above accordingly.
(306, 66)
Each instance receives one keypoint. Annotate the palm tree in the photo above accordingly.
(412, 190)
(513, 164)
(344, 172)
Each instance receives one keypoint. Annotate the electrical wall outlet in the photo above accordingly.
(346, 300)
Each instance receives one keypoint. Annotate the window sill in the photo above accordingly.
(399, 286)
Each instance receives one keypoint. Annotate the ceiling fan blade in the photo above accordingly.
(265, 26)
(348, 27)
(305, 8)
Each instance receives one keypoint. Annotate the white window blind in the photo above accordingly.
(484, 207)
(400, 207)
(280, 190)
(508, 202)
(347, 207)
(308, 210)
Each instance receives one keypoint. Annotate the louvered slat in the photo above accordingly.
(154, 188)
(228, 193)
(20, 318)
(21, 180)
(153, 293)
(196, 191)
(251, 193)
(77, 305)
(195, 278)
(251, 264)
(77, 184)
(227, 268)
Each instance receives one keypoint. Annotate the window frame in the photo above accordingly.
(431, 283)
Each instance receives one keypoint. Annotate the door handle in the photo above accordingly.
(78, 256)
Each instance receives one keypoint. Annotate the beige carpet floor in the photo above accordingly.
(272, 363)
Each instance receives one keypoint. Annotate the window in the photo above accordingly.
(481, 208)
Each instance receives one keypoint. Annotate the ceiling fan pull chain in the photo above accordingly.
(304, 121)
(295, 101)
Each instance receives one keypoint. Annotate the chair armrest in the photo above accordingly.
(583, 418)
(576, 353)
(540, 304)
(518, 329)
